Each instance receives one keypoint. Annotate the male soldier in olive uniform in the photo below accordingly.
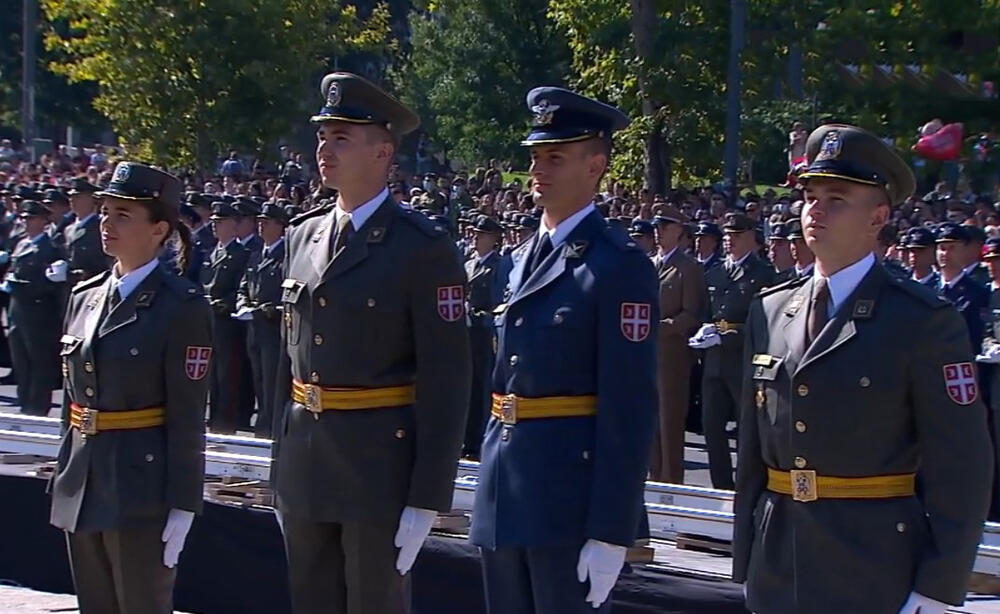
(486, 287)
(373, 384)
(845, 405)
(731, 288)
(682, 301)
(259, 301)
(83, 237)
(220, 275)
(34, 312)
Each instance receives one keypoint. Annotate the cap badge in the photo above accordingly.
(122, 171)
(543, 112)
(830, 148)
(333, 95)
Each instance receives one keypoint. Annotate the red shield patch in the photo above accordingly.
(196, 359)
(451, 303)
(635, 321)
(960, 382)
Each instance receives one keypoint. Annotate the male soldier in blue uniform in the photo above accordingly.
(804, 258)
(707, 237)
(779, 252)
(574, 390)
(83, 237)
(919, 244)
(857, 381)
(486, 286)
(956, 285)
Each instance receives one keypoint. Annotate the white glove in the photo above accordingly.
(601, 562)
(918, 604)
(706, 330)
(5, 287)
(706, 337)
(174, 534)
(244, 314)
(56, 272)
(414, 527)
(4, 257)
(990, 355)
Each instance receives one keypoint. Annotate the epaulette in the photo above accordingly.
(795, 282)
(182, 286)
(431, 229)
(308, 215)
(918, 291)
(621, 240)
(91, 282)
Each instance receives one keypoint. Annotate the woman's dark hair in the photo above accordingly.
(160, 211)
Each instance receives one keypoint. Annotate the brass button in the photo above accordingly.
(314, 377)
(371, 302)
(149, 458)
(803, 390)
(901, 527)
(322, 301)
(513, 360)
(400, 434)
(800, 426)
(88, 367)
(89, 391)
(134, 351)
(318, 339)
(505, 435)
(518, 321)
(558, 318)
(865, 382)
(800, 463)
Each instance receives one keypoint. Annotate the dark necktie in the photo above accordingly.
(542, 249)
(818, 308)
(345, 229)
(114, 299)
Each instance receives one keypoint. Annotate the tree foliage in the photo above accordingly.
(181, 80)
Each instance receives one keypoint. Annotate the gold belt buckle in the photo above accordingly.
(508, 409)
(313, 398)
(88, 421)
(804, 485)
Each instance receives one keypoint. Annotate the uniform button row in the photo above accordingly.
(318, 339)
(314, 377)
(800, 426)
(513, 360)
(88, 367)
(800, 463)
(803, 390)
(400, 434)
(322, 301)
(518, 321)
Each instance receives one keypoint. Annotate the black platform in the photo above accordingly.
(233, 563)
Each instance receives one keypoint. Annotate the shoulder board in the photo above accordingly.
(419, 220)
(181, 286)
(786, 285)
(918, 291)
(91, 282)
(620, 239)
(316, 212)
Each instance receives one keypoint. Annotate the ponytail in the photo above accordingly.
(184, 253)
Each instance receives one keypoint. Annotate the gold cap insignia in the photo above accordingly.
(830, 148)
(543, 112)
(333, 95)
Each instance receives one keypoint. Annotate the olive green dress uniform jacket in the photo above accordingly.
(729, 296)
(135, 357)
(370, 318)
(867, 398)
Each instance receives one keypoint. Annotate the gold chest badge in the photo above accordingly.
(761, 396)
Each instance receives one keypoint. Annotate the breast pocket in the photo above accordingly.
(766, 371)
(291, 293)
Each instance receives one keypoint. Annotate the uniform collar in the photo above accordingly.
(558, 234)
(247, 239)
(83, 222)
(972, 267)
(269, 249)
(361, 214)
(843, 282)
(805, 271)
(924, 280)
(666, 256)
(131, 280)
(37, 238)
(738, 263)
(954, 282)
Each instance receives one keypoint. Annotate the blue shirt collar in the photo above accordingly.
(131, 281)
(361, 214)
(558, 234)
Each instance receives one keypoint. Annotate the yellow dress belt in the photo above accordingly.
(509, 408)
(806, 486)
(318, 399)
(92, 421)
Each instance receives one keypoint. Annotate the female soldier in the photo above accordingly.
(136, 353)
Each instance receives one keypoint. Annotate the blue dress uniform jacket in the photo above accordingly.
(972, 300)
(560, 481)
(869, 397)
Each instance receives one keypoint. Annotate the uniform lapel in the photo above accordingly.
(95, 310)
(796, 315)
(126, 311)
(320, 244)
(841, 328)
(356, 250)
(555, 264)
(520, 257)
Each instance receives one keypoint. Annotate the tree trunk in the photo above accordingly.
(643, 24)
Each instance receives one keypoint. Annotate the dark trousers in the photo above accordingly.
(343, 568)
(34, 349)
(720, 397)
(481, 344)
(536, 580)
(121, 571)
(229, 363)
(263, 345)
